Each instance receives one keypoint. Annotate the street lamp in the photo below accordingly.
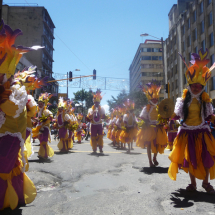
(67, 80)
(148, 35)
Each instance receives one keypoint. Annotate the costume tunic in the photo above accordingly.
(95, 115)
(63, 144)
(194, 146)
(129, 135)
(152, 133)
(42, 132)
(15, 186)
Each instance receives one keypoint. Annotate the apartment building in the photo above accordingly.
(147, 65)
(38, 29)
(191, 27)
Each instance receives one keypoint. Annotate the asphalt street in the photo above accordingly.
(110, 183)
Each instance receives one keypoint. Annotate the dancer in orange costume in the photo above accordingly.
(80, 131)
(129, 133)
(151, 135)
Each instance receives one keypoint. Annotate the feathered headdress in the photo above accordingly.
(198, 72)
(153, 89)
(97, 96)
(62, 103)
(44, 97)
(129, 105)
(80, 116)
(29, 80)
(9, 53)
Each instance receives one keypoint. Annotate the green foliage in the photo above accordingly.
(138, 97)
(53, 109)
(83, 95)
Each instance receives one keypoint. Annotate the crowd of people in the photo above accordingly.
(190, 140)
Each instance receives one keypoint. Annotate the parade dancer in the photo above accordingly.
(194, 146)
(128, 135)
(151, 134)
(31, 82)
(79, 132)
(15, 186)
(42, 130)
(119, 125)
(95, 115)
(63, 119)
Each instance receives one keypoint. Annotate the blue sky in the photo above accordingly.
(103, 34)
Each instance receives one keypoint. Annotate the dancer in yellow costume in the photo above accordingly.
(15, 186)
(31, 82)
(95, 115)
(80, 131)
(151, 135)
(74, 124)
(129, 133)
(194, 146)
(63, 119)
(110, 125)
(119, 125)
(42, 130)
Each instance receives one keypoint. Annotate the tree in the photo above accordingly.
(138, 97)
(83, 95)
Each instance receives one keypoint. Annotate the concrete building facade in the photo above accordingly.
(147, 65)
(38, 29)
(191, 27)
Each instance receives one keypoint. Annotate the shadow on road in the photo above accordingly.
(151, 170)
(63, 153)
(8, 211)
(182, 198)
(132, 153)
(41, 161)
(98, 154)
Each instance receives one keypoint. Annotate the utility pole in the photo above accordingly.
(67, 87)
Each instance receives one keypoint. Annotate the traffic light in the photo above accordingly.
(94, 74)
(167, 89)
(70, 76)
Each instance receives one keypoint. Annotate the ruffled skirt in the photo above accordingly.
(193, 151)
(156, 136)
(128, 136)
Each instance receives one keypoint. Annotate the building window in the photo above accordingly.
(156, 50)
(210, 19)
(194, 15)
(188, 23)
(160, 58)
(189, 41)
(203, 45)
(201, 7)
(195, 34)
(202, 27)
(183, 30)
(209, 2)
(147, 49)
(154, 57)
(146, 58)
(211, 39)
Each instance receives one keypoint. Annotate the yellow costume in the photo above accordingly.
(150, 132)
(15, 186)
(42, 130)
(194, 146)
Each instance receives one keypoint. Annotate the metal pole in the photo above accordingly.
(67, 86)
